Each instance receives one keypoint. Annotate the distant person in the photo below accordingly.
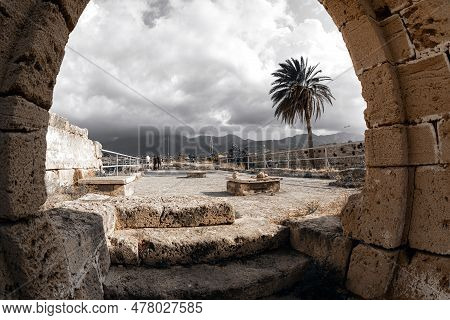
(147, 160)
(155, 163)
(159, 162)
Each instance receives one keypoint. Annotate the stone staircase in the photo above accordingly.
(194, 248)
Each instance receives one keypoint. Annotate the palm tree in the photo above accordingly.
(299, 94)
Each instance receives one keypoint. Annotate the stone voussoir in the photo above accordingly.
(428, 23)
(252, 278)
(172, 212)
(425, 86)
(36, 59)
(397, 39)
(162, 247)
(367, 46)
(386, 108)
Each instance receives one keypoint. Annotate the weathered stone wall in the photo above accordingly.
(70, 156)
(400, 51)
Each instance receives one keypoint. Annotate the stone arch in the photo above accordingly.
(400, 51)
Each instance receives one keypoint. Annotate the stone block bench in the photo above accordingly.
(111, 186)
(196, 174)
(240, 187)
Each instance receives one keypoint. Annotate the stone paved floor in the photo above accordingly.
(295, 196)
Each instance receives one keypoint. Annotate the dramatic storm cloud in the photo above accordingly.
(198, 63)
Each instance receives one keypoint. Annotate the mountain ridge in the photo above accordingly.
(201, 145)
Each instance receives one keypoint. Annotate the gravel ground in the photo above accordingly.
(297, 195)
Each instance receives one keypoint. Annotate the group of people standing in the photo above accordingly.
(156, 162)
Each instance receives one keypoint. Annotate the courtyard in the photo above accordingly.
(298, 196)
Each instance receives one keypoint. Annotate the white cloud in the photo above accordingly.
(207, 62)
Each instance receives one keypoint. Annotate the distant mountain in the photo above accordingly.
(135, 144)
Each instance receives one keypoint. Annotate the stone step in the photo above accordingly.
(163, 247)
(252, 278)
(172, 212)
(321, 238)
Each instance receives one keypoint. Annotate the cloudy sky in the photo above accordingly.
(202, 63)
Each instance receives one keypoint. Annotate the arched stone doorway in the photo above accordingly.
(400, 51)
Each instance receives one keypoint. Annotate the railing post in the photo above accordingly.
(326, 158)
(117, 164)
(288, 160)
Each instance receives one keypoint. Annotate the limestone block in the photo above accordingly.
(387, 146)
(444, 140)
(379, 214)
(84, 239)
(124, 249)
(422, 144)
(173, 212)
(321, 238)
(91, 288)
(58, 122)
(397, 39)
(366, 44)
(35, 61)
(12, 16)
(7, 287)
(239, 187)
(430, 219)
(425, 86)
(59, 181)
(98, 149)
(72, 10)
(344, 12)
(36, 259)
(371, 271)
(422, 276)
(22, 178)
(428, 23)
(103, 209)
(381, 90)
(80, 152)
(17, 114)
(381, 6)
(82, 132)
(114, 190)
(51, 182)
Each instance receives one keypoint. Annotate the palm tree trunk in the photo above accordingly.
(310, 139)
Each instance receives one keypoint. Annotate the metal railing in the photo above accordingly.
(299, 158)
(115, 163)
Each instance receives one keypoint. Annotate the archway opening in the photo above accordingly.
(406, 175)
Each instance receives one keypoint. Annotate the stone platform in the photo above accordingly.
(239, 187)
(111, 186)
(196, 174)
(172, 212)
